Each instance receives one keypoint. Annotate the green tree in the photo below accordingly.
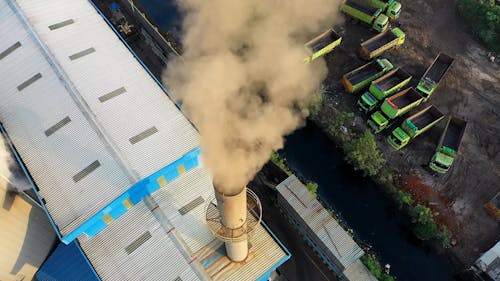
(362, 153)
(343, 119)
(403, 199)
(484, 18)
(424, 226)
(373, 265)
(315, 104)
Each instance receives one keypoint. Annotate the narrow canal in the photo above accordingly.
(364, 207)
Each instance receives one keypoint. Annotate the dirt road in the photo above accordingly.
(471, 90)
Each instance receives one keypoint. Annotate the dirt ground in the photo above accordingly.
(471, 90)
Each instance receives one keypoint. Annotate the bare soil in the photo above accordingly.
(470, 90)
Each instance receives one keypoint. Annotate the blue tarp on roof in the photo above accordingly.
(67, 262)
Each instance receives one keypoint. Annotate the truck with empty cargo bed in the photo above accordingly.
(383, 87)
(393, 107)
(361, 77)
(434, 74)
(414, 126)
(365, 12)
(448, 145)
(322, 44)
(379, 43)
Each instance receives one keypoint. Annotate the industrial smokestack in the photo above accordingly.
(232, 218)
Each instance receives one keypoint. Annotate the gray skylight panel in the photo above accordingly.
(57, 126)
(10, 50)
(137, 138)
(86, 171)
(61, 24)
(138, 242)
(82, 53)
(112, 94)
(28, 82)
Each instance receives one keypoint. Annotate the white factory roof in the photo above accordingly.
(82, 111)
(89, 122)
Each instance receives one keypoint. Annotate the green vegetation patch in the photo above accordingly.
(484, 18)
(362, 153)
(375, 268)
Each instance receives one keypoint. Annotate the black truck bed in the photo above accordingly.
(370, 69)
(408, 97)
(393, 80)
(437, 70)
(379, 41)
(322, 40)
(362, 6)
(454, 133)
(425, 117)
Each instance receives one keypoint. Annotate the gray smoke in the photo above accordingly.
(242, 80)
(11, 175)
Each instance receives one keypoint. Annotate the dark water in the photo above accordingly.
(165, 14)
(364, 207)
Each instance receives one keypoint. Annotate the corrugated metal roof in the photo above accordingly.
(52, 160)
(334, 237)
(155, 258)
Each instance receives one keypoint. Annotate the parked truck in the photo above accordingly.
(391, 8)
(448, 145)
(322, 45)
(361, 77)
(379, 43)
(393, 107)
(383, 87)
(414, 126)
(365, 12)
(434, 74)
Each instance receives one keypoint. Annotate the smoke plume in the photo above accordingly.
(242, 80)
(11, 175)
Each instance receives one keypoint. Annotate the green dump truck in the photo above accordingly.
(361, 77)
(365, 12)
(379, 43)
(434, 74)
(322, 45)
(414, 126)
(383, 87)
(448, 145)
(391, 8)
(393, 107)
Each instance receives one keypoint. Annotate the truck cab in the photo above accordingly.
(442, 160)
(367, 102)
(381, 23)
(377, 122)
(394, 10)
(398, 138)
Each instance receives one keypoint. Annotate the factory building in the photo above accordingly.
(112, 159)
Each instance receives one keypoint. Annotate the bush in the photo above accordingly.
(362, 153)
(445, 236)
(315, 104)
(424, 226)
(313, 188)
(375, 268)
(280, 162)
(403, 199)
(343, 119)
(484, 18)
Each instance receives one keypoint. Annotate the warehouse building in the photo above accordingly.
(321, 231)
(114, 162)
